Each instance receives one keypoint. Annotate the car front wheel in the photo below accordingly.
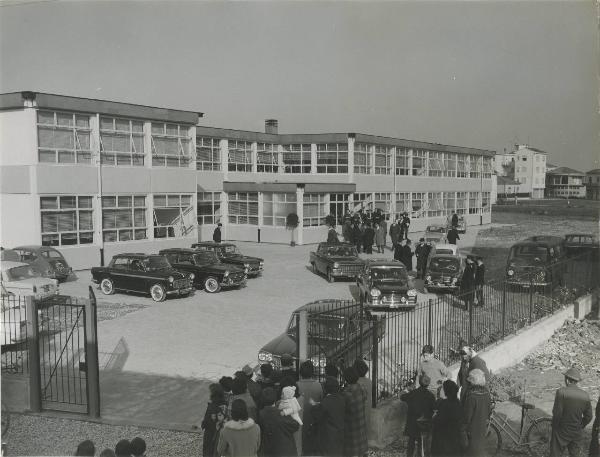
(107, 287)
(211, 285)
(158, 293)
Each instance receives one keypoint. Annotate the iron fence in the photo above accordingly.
(15, 335)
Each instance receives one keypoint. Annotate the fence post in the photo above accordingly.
(35, 382)
(430, 322)
(361, 323)
(375, 359)
(93, 368)
(470, 309)
(503, 309)
(303, 336)
(530, 299)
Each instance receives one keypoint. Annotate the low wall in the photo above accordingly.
(15, 392)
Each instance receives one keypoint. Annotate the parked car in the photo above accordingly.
(47, 260)
(209, 272)
(336, 260)
(18, 278)
(142, 273)
(461, 227)
(229, 253)
(337, 334)
(538, 261)
(450, 249)
(9, 255)
(384, 285)
(578, 244)
(436, 234)
(444, 273)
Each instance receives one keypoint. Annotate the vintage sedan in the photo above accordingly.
(537, 261)
(578, 244)
(229, 253)
(436, 234)
(209, 272)
(444, 273)
(384, 285)
(451, 249)
(142, 273)
(47, 260)
(18, 278)
(336, 334)
(336, 260)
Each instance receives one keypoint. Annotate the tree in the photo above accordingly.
(291, 223)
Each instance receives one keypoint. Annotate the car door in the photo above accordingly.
(118, 273)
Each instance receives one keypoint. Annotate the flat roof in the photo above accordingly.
(18, 100)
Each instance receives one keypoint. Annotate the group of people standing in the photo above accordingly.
(283, 413)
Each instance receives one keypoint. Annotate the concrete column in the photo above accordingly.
(260, 209)
(300, 213)
(394, 187)
(147, 144)
(351, 140)
(371, 150)
(150, 216)
(280, 166)
(409, 161)
(192, 152)
(224, 150)
(313, 159)
(254, 157)
(224, 214)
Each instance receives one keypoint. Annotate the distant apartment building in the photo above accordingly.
(564, 182)
(592, 184)
(506, 187)
(525, 166)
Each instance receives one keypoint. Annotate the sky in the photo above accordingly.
(477, 73)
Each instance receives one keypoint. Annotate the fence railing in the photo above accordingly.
(15, 332)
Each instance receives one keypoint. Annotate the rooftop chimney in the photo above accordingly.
(271, 126)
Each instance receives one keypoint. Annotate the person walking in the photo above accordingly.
(467, 284)
(240, 436)
(330, 420)
(379, 238)
(470, 361)
(368, 237)
(421, 403)
(452, 235)
(347, 231)
(355, 422)
(445, 439)
(421, 252)
(595, 441)
(477, 408)
(276, 431)
(217, 233)
(398, 251)
(366, 384)
(479, 281)
(384, 227)
(357, 236)
(454, 220)
(395, 232)
(434, 368)
(405, 226)
(214, 419)
(407, 255)
(571, 412)
(311, 392)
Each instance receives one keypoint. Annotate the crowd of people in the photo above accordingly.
(124, 448)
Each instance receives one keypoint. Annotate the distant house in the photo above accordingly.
(564, 182)
(525, 166)
(507, 187)
(592, 184)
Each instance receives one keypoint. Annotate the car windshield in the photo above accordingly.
(445, 251)
(156, 263)
(389, 274)
(529, 251)
(436, 229)
(52, 254)
(230, 249)
(343, 251)
(206, 257)
(19, 273)
(444, 264)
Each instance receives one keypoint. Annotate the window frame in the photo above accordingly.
(239, 155)
(297, 158)
(130, 134)
(172, 230)
(249, 200)
(332, 158)
(78, 210)
(208, 153)
(80, 155)
(184, 140)
(124, 233)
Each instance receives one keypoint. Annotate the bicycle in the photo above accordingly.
(536, 437)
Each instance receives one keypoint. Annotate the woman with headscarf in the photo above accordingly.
(240, 436)
(447, 421)
(355, 423)
(214, 419)
(330, 419)
(477, 408)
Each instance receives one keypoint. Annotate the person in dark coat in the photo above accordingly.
(470, 361)
(355, 421)
(253, 387)
(214, 419)
(405, 225)
(571, 412)
(395, 232)
(407, 255)
(239, 389)
(398, 253)
(595, 442)
(347, 231)
(368, 237)
(421, 403)
(217, 233)
(287, 367)
(332, 236)
(445, 440)
(452, 235)
(276, 431)
(479, 281)
(477, 408)
(357, 236)
(311, 393)
(467, 284)
(421, 252)
(454, 220)
(330, 417)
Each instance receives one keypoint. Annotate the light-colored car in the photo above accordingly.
(436, 234)
(449, 249)
(47, 260)
(18, 278)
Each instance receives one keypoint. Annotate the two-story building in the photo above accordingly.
(95, 178)
(592, 184)
(564, 182)
(526, 166)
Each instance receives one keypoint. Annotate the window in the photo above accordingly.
(450, 164)
(402, 161)
(362, 201)
(473, 203)
(462, 170)
(173, 215)
(240, 155)
(171, 145)
(461, 202)
(339, 204)
(485, 202)
(332, 158)
(121, 142)
(63, 137)
(435, 204)
(524, 159)
(67, 220)
(383, 201)
(296, 158)
(419, 163)
(475, 169)
(449, 202)
(267, 158)
(436, 163)
(124, 218)
(208, 154)
(487, 167)
(209, 208)
(362, 158)
(403, 203)
(314, 209)
(419, 204)
(276, 207)
(243, 208)
(383, 160)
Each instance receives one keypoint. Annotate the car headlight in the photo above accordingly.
(226, 274)
(245, 271)
(510, 272)
(375, 292)
(192, 276)
(454, 280)
(428, 278)
(171, 279)
(265, 356)
(262, 263)
(336, 265)
(412, 293)
(402, 299)
(246, 265)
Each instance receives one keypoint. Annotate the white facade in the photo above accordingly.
(525, 165)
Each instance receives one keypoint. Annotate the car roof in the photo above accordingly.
(336, 244)
(186, 250)
(384, 263)
(580, 234)
(454, 247)
(6, 264)
(447, 256)
(321, 306)
(36, 247)
(136, 254)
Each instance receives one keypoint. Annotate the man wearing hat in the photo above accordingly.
(253, 387)
(421, 252)
(470, 361)
(287, 367)
(217, 233)
(421, 403)
(572, 411)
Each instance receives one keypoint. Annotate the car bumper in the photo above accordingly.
(182, 291)
(253, 272)
(233, 283)
(442, 287)
(527, 284)
(339, 273)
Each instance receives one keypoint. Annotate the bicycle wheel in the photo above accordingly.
(493, 440)
(538, 436)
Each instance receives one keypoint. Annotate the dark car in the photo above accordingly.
(578, 244)
(49, 262)
(436, 234)
(384, 285)
(336, 260)
(148, 274)
(210, 273)
(444, 273)
(229, 253)
(538, 261)
(336, 333)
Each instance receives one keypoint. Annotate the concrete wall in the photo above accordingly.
(19, 220)
(14, 179)
(66, 179)
(15, 392)
(18, 137)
